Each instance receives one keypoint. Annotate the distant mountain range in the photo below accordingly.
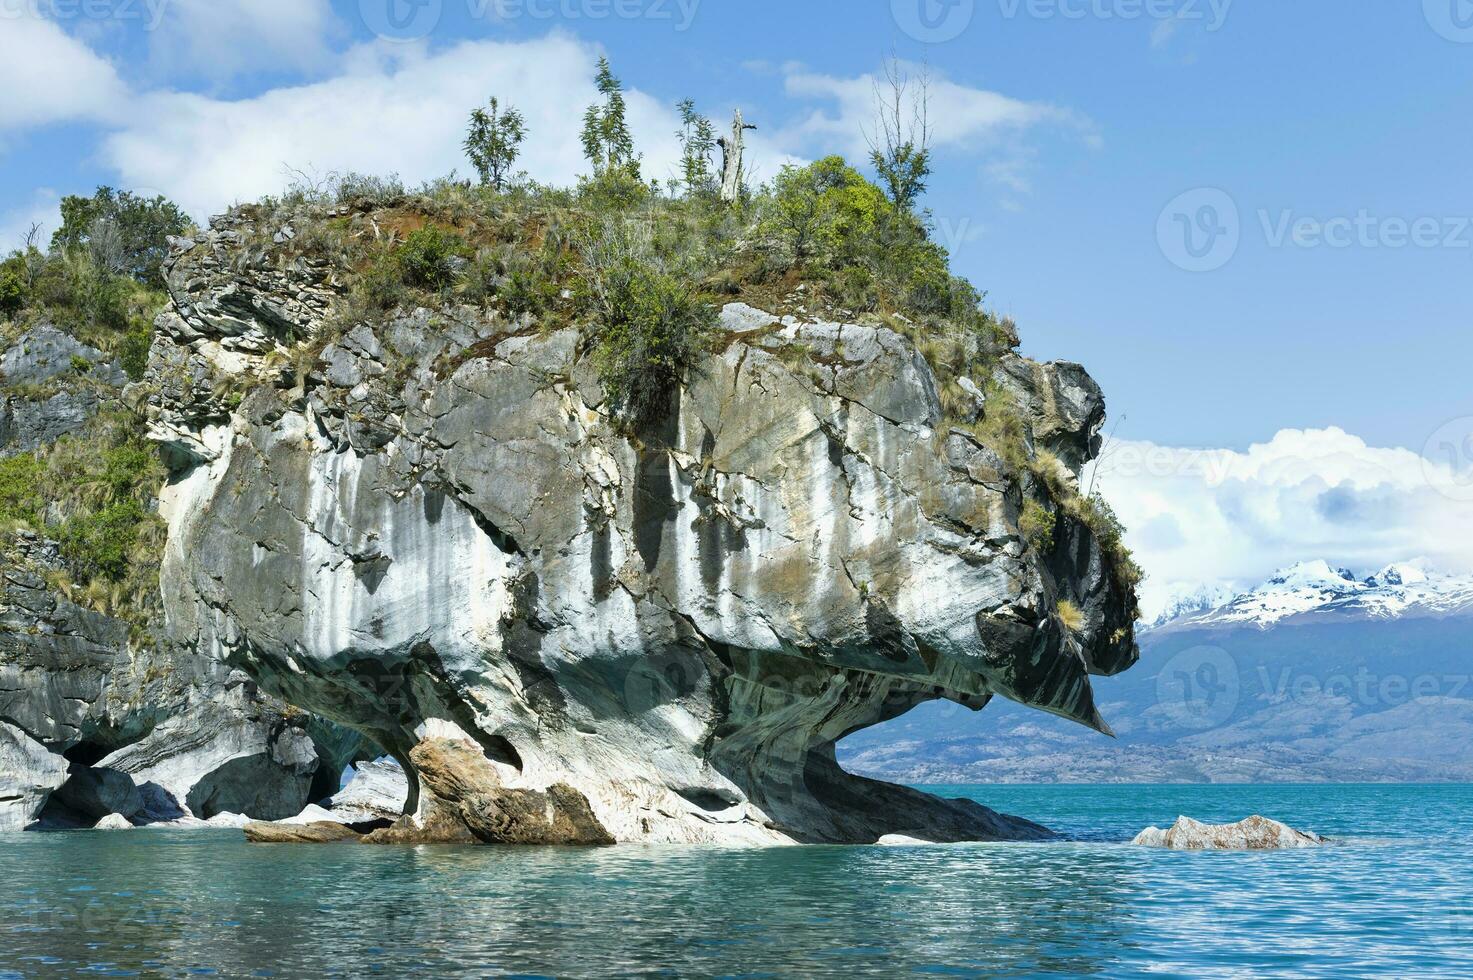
(1317, 674)
(1314, 589)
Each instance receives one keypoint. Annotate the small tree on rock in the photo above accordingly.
(900, 146)
(606, 139)
(698, 142)
(493, 142)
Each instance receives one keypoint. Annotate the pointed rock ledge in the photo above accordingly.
(1254, 834)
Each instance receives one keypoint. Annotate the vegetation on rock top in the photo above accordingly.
(639, 267)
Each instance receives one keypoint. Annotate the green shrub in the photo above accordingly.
(651, 328)
(124, 234)
(1037, 525)
(20, 490)
(133, 351)
(519, 281)
(100, 543)
(12, 293)
(1097, 513)
(612, 190)
(381, 286)
(425, 258)
(493, 141)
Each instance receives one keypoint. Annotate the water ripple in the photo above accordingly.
(1394, 900)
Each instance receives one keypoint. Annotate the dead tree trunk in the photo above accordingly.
(731, 159)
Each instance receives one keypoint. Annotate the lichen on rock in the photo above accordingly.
(435, 530)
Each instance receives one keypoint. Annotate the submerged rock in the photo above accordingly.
(565, 632)
(325, 832)
(1254, 834)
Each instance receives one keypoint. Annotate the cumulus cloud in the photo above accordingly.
(42, 213)
(960, 116)
(49, 77)
(221, 38)
(1221, 516)
(393, 108)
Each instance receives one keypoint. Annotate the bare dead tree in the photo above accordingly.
(900, 144)
(731, 156)
(32, 252)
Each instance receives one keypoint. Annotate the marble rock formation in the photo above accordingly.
(432, 530)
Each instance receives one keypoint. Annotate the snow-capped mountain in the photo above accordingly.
(1191, 600)
(1318, 590)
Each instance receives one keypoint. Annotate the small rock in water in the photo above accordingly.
(312, 833)
(1254, 834)
(113, 821)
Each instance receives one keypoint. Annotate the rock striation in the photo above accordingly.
(1254, 834)
(431, 529)
(95, 720)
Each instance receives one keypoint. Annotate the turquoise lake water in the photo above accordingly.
(1395, 900)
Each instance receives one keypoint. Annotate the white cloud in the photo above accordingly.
(42, 211)
(221, 38)
(48, 76)
(394, 108)
(1205, 516)
(959, 116)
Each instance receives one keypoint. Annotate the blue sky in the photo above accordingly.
(1316, 152)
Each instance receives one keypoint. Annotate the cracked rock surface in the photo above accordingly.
(437, 535)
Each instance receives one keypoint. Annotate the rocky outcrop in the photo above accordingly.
(29, 774)
(376, 793)
(141, 730)
(50, 385)
(95, 718)
(431, 530)
(99, 792)
(1254, 834)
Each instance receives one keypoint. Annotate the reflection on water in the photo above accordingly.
(175, 903)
